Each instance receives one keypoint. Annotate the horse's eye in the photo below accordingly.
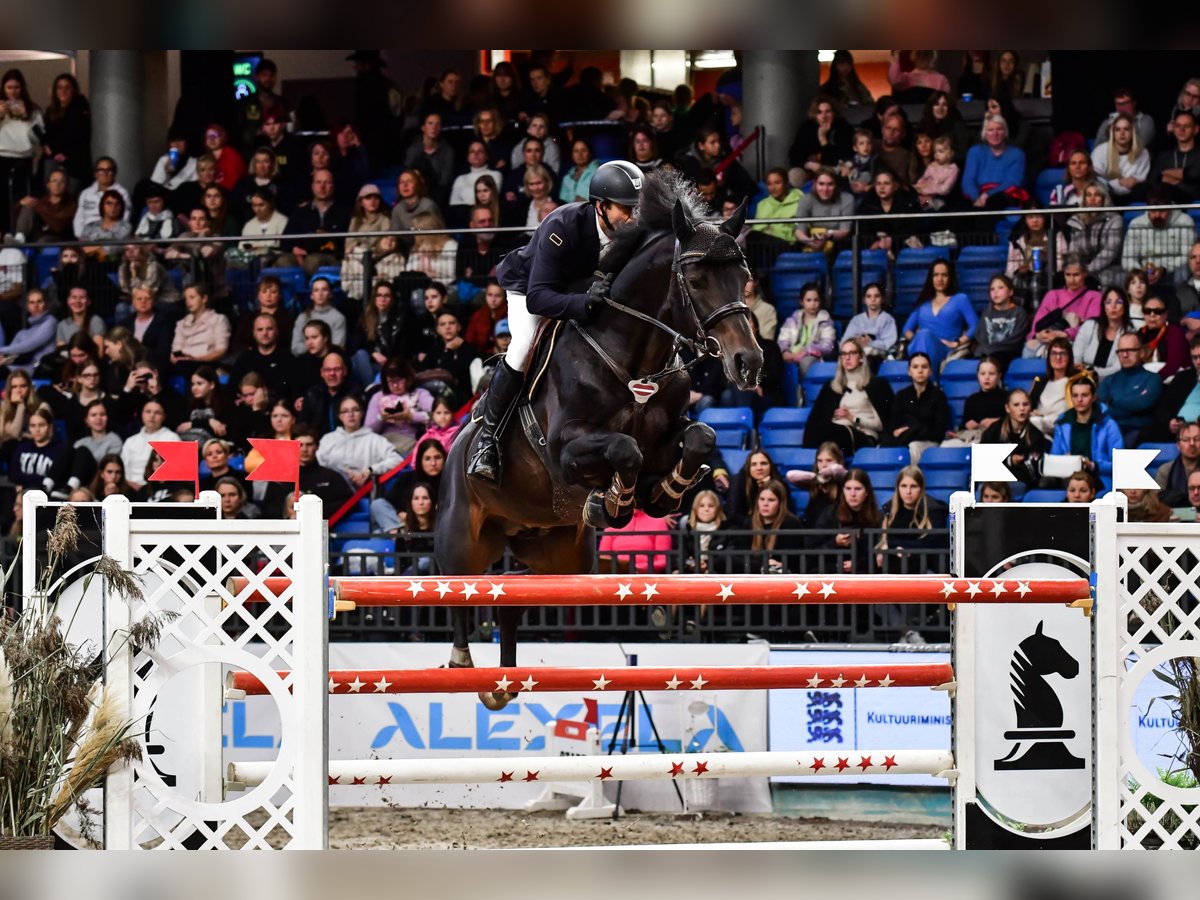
(696, 281)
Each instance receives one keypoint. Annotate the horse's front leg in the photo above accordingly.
(591, 454)
(696, 442)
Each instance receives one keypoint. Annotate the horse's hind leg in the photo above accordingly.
(561, 551)
(662, 498)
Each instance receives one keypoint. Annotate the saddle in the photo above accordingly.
(544, 341)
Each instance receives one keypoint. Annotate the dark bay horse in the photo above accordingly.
(611, 405)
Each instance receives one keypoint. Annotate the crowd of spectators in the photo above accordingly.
(312, 323)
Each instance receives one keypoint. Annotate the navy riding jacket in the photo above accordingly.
(564, 249)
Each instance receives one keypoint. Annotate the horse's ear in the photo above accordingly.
(733, 225)
(1039, 628)
(684, 227)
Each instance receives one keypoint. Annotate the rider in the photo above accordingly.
(566, 247)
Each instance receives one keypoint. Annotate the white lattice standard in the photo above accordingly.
(174, 797)
(1151, 626)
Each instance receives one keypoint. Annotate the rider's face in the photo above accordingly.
(618, 215)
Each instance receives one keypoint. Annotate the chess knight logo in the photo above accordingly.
(1039, 733)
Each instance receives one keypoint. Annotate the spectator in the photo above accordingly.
(36, 340)
(642, 545)
(985, 407)
(317, 342)
(706, 153)
(152, 329)
(40, 461)
(386, 259)
(463, 192)
(852, 408)
(1146, 506)
(643, 152)
(478, 254)
(349, 161)
(923, 76)
(1179, 168)
(378, 106)
(215, 454)
(201, 336)
(135, 453)
(808, 335)
(174, 168)
(1175, 477)
(942, 324)
(433, 255)
(937, 182)
(538, 128)
(513, 186)
(329, 485)
(441, 424)
(888, 199)
(489, 130)
(482, 325)
(1081, 488)
(143, 385)
(826, 200)
(1063, 310)
(1080, 173)
(412, 200)
(1096, 343)
(762, 310)
(776, 541)
(920, 415)
(1131, 392)
(914, 524)
(1086, 430)
(1122, 160)
(1137, 288)
(208, 411)
(843, 82)
(383, 328)
(1005, 78)
(22, 131)
(113, 225)
(288, 150)
(822, 141)
(757, 471)
(230, 165)
(538, 188)
(159, 222)
(1187, 290)
(110, 479)
(355, 451)
(1050, 392)
(256, 104)
(1191, 513)
(203, 260)
(1158, 241)
(1180, 401)
(1125, 105)
(265, 221)
(88, 208)
(263, 175)
(79, 319)
(427, 470)
(140, 268)
(670, 133)
(942, 118)
(823, 483)
(1000, 333)
(414, 540)
(995, 170)
(447, 367)
(432, 156)
(859, 167)
(96, 443)
(122, 351)
(216, 202)
(1164, 344)
(856, 510)
(704, 536)
(781, 202)
(251, 415)
(874, 329)
(267, 359)
(892, 151)
(320, 294)
(400, 411)
(319, 406)
(321, 214)
(68, 141)
(1029, 257)
(233, 498)
(995, 492)
(80, 385)
(577, 178)
(1189, 100)
(51, 216)
(16, 406)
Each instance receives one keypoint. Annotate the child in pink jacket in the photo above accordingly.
(940, 176)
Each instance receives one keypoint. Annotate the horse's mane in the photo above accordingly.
(660, 189)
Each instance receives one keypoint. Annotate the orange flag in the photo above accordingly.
(280, 461)
(181, 462)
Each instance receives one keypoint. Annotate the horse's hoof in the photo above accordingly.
(494, 700)
(460, 659)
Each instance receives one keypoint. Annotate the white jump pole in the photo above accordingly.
(637, 767)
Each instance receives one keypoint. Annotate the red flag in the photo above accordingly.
(592, 717)
(181, 462)
(280, 461)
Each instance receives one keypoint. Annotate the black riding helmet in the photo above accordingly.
(617, 182)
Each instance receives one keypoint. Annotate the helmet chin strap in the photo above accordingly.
(608, 225)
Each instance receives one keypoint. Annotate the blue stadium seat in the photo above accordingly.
(942, 495)
(883, 498)
(46, 260)
(1021, 372)
(734, 459)
(884, 478)
(1132, 214)
(954, 479)
(1040, 495)
(868, 259)
(977, 285)
(793, 458)
(920, 257)
(895, 373)
(790, 383)
(908, 284)
(729, 418)
(1166, 452)
(991, 257)
(960, 370)
(958, 408)
(369, 556)
(819, 374)
(956, 458)
(784, 417)
(782, 437)
(801, 262)
(843, 287)
(1004, 228)
(958, 390)
(1047, 181)
(881, 458)
(730, 439)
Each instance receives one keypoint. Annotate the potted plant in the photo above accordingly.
(60, 727)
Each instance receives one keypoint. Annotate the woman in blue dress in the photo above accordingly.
(944, 319)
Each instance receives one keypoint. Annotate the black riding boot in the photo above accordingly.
(502, 395)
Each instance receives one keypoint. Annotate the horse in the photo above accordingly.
(603, 422)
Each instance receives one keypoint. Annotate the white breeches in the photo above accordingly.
(523, 325)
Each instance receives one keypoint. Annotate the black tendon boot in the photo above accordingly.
(502, 395)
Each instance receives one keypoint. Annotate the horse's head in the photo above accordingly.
(711, 273)
(1047, 656)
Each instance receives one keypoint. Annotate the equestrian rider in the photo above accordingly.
(566, 248)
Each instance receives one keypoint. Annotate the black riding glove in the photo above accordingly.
(597, 293)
